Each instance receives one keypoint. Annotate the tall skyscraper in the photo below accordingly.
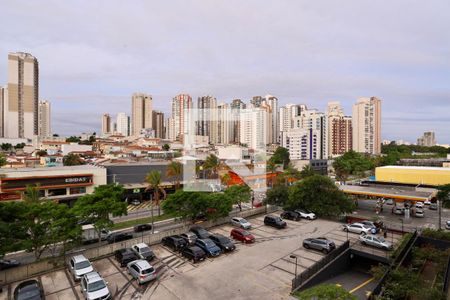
(22, 107)
(314, 121)
(224, 124)
(207, 118)
(44, 119)
(339, 130)
(158, 124)
(253, 128)
(237, 105)
(141, 113)
(122, 124)
(181, 104)
(106, 124)
(3, 100)
(428, 139)
(366, 122)
(287, 114)
(274, 130)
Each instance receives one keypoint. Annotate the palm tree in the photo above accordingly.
(175, 170)
(31, 194)
(212, 163)
(154, 183)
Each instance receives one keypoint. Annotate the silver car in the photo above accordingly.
(94, 287)
(189, 237)
(375, 241)
(79, 265)
(357, 228)
(241, 222)
(141, 270)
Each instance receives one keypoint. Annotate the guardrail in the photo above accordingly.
(301, 278)
(50, 264)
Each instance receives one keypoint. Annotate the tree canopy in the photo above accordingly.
(351, 163)
(175, 171)
(72, 160)
(281, 156)
(238, 194)
(319, 194)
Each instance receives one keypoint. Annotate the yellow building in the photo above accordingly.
(413, 175)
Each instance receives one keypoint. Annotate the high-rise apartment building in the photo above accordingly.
(141, 113)
(366, 123)
(236, 106)
(274, 129)
(181, 104)
(224, 124)
(122, 124)
(253, 128)
(303, 143)
(22, 106)
(106, 124)
(428, 139)
(287, 114)
(3, 100)
(44, 119)
(158, 124)
(207, 118)
(339, 130)
(311, 119)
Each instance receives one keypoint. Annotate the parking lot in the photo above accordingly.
(263, 270)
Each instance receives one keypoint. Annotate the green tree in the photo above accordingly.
(319, 194)
(277, 195)
(238, 194)
(187, 205)
(351, 163)
(166, 147)
(6, 146)
(19, 146)
(12, 227)
(175, 170)
(443, 197)
(281, 156)
(307, 171)
(3, 160)
(72, 160)
(218, 205)
(106, 200)
(41, 153)
(73, 139)
(153, 180)
(212, 164)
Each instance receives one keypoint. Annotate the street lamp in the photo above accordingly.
(295, 256)
(402, 224)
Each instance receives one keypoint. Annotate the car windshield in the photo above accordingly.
(209, 243)
(28, 292)
(148, 271)
(245, 233)
(243, 221)
(95, 286)
(82, 265)
(222, 239)
(145, 250)
(382, 240)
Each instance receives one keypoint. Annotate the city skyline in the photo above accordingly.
(404, 62)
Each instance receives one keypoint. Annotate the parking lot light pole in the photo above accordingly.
(295, 256)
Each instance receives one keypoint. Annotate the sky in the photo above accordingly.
(94, 54)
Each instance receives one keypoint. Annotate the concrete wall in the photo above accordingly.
(33, 269)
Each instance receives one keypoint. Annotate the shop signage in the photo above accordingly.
(17, 184)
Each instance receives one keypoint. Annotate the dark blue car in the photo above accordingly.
(208, 246)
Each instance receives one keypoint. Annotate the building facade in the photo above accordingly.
(237, 105)
(158, 124)
(302, 143)
(253, 128)
(3, 100)
(44, 119)
(181, 104)
(366, 126)
(122, 125)
(428, 139)
(106, 124)
(315, 123)
(339, 130)
(207, 118)
(22, 107)
(141, 113)
(274, 127)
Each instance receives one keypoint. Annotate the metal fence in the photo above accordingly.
(301, 278)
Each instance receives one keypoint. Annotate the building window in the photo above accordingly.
(77, 190)
(57, 192)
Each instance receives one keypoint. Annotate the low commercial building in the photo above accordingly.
(413, 175)
(62, 184)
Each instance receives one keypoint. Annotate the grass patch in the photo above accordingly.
(131, 223)
(325, 291)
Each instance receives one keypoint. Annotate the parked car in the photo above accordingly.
(143, 251)
(135, 202)
(427, 202)
(223, 242)
(8, 263)
(242, 235)
(241, 222)
(174, 242)
(200, 232)
(389, 202)
(94, 287)
(189, 237)
(118, 237)
(357, 228)
(79, 265)
(419, 204)
(373, 227)
(141, 270)
(375, 241)
(142, 227)
(291, 215)
(274, 221)
(125, 255)
(306, 214)
(30, 289)
(208, 246)
(398, 210)
(433, 206)
(419, 213)
(194, 252)
(322, 244)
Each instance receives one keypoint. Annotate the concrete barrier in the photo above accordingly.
(37, 268)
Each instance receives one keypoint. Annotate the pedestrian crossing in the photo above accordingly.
(143, 205)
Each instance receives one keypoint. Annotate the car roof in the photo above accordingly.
(92, 277)
(79, 257)
(28, 283)
(142, 264)
(141, 245)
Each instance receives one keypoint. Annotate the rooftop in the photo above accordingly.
(415, 168)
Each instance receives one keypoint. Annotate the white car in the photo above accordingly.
(79, 266)
(141, 270)
(419, 213)
(143, 251)
(427, 202)
(306, 214)
(357, 228)
(94, 287)
(241, 222)
(389, 202)
(375, 241)
(419, 204)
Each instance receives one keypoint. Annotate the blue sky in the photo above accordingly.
(94, 54)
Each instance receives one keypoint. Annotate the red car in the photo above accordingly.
(242, 235)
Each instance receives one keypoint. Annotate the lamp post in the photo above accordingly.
(402, 224)
(295, 256)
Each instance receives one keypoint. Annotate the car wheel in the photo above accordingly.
(306, 246)
(385, 248)
(362, 242)
(345, 229)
